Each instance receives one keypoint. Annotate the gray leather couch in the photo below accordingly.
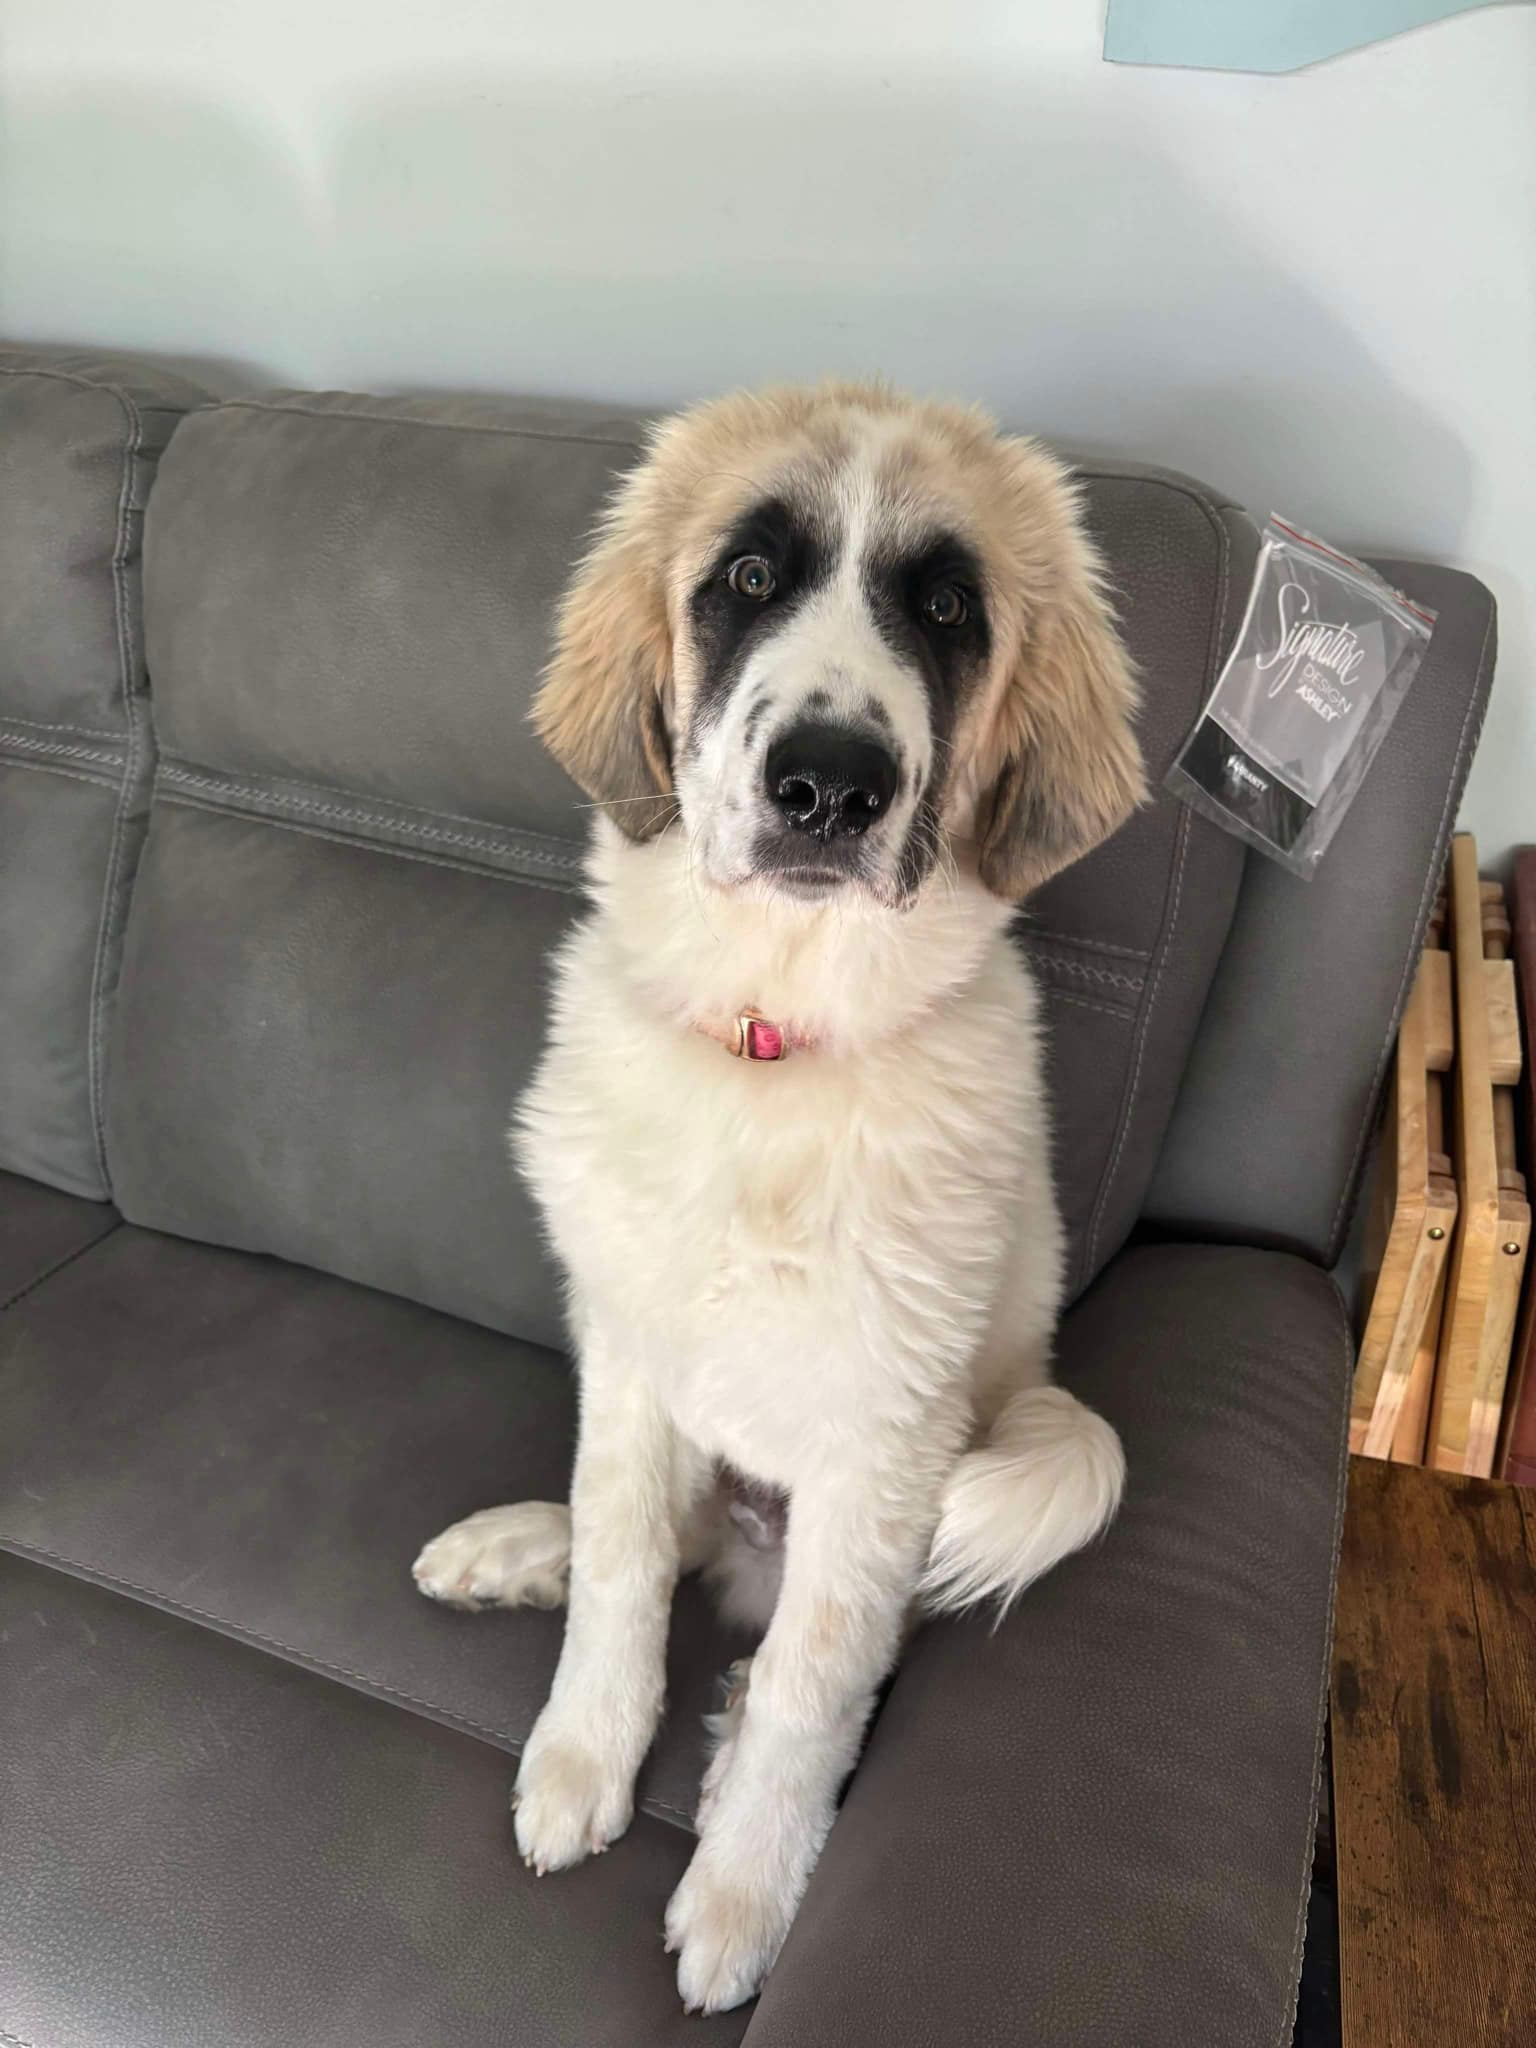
(280, 868)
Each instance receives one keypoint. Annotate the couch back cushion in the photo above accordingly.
(1125, 943)
(359, 859)
(79, 440)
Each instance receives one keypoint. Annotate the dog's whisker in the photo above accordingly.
(609, 803)
(693, 882)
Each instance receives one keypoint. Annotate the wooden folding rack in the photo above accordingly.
(1446, 1250)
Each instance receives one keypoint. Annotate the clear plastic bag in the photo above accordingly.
(1322, 660)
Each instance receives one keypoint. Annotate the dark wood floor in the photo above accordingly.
(1434, 1761)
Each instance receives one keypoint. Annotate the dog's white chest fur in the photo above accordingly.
(807, 1252)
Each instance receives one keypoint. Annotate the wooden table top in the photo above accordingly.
(1434, 1760)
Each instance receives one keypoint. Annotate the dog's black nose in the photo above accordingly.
(828, 782)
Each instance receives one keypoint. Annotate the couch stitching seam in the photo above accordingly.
(271, 788)
(1415, 942)
(1064, 995)
(105, 931)
(13, 2040)
(306, 1659)
(88, 732)
(384, 846)
(59, 747)
(1165, 938)
(76, 377)
(1134, 982)
(1143, 1033)
(88, 775)
(182, 778)
(1049, 937)
(57, 376)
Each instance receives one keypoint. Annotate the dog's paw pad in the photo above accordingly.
(502, 1557)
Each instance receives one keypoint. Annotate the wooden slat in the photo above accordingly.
(1459, 1368)
(1434, 1761)
(1380, 1207)
(1503, 1021)
(1395, 1246)
(1499, 1333)
(1418, 1317)
(1439, 1028)
(1413, 1418)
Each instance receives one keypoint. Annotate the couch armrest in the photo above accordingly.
(1094, 1825)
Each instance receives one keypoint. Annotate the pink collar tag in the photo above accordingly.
(752, 1036)
(757, 1039)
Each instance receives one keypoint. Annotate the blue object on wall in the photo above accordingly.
(1259, 35)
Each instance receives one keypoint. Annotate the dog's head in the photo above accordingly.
(836, 631)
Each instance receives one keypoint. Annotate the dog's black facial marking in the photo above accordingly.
(910, 590)
(907, 588)
(728, 625)
(925, 596)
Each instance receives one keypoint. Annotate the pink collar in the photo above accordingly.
(752, 1036)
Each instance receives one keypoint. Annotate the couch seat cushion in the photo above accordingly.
(1093, 1824)
(263, 1449)
(204, 1844)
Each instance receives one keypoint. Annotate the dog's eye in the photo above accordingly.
(946, 606)
(750, 576)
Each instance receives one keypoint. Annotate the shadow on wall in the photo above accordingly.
(552, 234)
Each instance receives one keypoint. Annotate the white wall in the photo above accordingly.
(1317, 291)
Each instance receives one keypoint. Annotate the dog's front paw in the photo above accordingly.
(726, 1934)
(569, 1802)
(502, 1557)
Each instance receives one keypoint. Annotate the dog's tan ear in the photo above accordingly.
(1071, 770)
(601, 709)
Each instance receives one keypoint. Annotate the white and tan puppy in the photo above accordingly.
(840, 675)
